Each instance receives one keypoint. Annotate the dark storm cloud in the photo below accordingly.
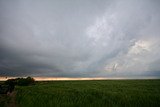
(77, 38)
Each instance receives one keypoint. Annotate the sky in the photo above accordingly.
(80, 38)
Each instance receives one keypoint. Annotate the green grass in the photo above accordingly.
(107, 93)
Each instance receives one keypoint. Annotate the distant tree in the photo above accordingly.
(9, 85)
(25, 81)
(30, 80)
(20, 81)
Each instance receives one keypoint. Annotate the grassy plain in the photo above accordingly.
(102, 93)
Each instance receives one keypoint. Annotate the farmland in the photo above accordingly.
(95, 93)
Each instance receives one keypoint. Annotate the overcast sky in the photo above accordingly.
(80, 38)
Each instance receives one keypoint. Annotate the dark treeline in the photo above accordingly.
(9, 85)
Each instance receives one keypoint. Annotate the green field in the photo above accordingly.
(102, 93)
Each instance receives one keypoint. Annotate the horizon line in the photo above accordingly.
(4, 78)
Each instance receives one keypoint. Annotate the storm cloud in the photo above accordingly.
(77, 38)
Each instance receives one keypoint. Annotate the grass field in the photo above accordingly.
(110, 93)
(102, 93)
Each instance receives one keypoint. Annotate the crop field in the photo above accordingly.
(102, 93)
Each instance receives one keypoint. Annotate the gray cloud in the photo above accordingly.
(79, 38)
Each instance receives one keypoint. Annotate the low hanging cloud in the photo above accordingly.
(80, 38)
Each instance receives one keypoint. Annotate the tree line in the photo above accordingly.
(10, 84)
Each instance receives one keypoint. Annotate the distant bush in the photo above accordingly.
(24, 81)
(20, 81)
(10, 84)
